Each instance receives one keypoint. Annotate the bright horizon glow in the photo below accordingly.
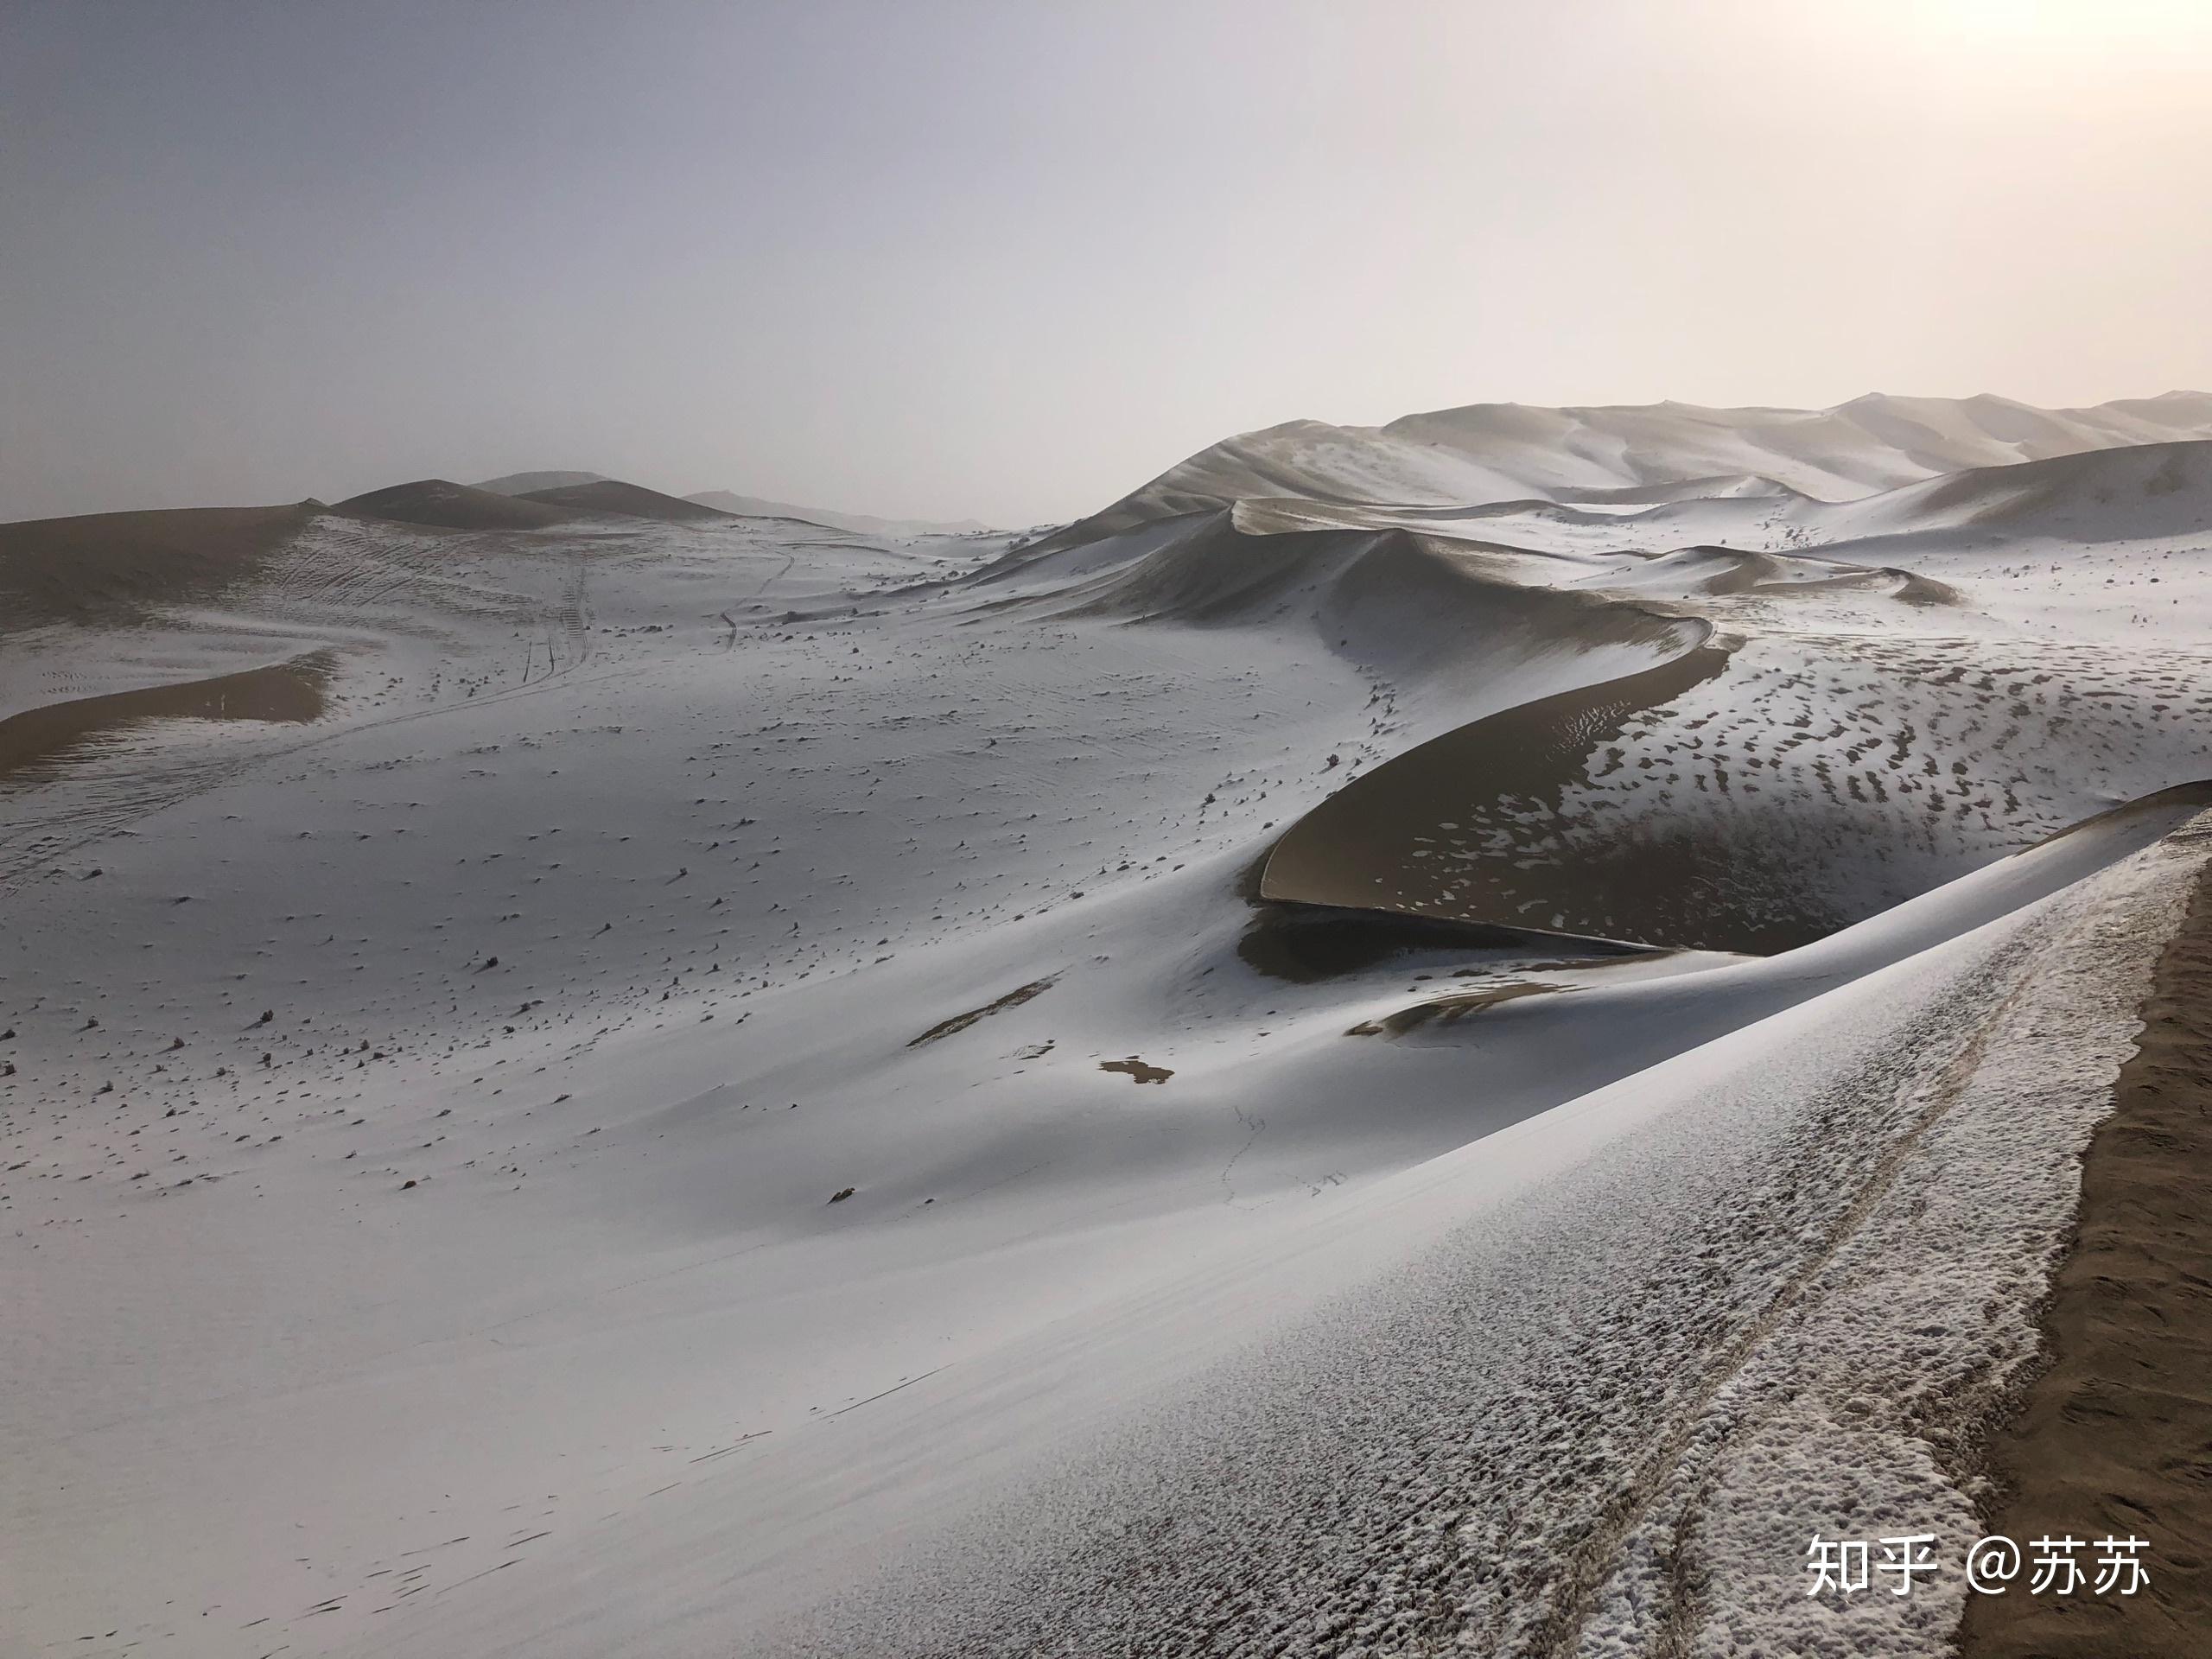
(2077, 25)
(963, 259)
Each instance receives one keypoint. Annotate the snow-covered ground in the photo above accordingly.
(1198, 1084)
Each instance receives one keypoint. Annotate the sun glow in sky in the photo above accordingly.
(2074, 24)
(980, 258)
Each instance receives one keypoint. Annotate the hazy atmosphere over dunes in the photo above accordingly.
(949, 830)
(971, 259)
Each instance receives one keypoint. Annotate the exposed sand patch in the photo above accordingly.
(31, 743)
(960, 1022)
(1139, 1071)
(2111, 1439)
(1363, 847)
(1449, 1010)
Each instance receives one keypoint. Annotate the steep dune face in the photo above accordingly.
(1751, 798)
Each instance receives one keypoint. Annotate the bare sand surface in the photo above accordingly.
(1367, 844)
(2115, 1438)
(443, 505)
(32, 741)
(108, 566)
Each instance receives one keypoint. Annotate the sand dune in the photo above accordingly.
(1506, 452)
(1294, 1069)
(104, 567)
(1753, 798)
(746, 506)
(1808, 772)
(632, 500)
(447, 505)
(2148, 490)
(523, 483)
(31, 741)
(753, 507)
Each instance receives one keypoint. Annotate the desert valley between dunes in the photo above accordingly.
(1438, 1039)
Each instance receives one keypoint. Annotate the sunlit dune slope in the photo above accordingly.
(1491, 453)
(1299, 1074)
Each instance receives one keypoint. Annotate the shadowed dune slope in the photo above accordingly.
(443, 505)
(632, 501)
(1419, 602)
(105, 565)
(1502, 783)
(523, 483)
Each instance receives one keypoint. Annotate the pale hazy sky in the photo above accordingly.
(954, 258)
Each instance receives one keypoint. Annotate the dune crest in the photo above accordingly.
(1488, 453)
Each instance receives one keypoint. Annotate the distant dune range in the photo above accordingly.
(1506, 452)
(749, 506)
(122, 634)
(523, 483)
(612, 495)
(1445, 1037)
(1771, 837)
(447, 505)
(461, 506)
(861, 524)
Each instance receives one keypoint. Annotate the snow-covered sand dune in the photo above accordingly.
(1488, 453)
(1310, 1065)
